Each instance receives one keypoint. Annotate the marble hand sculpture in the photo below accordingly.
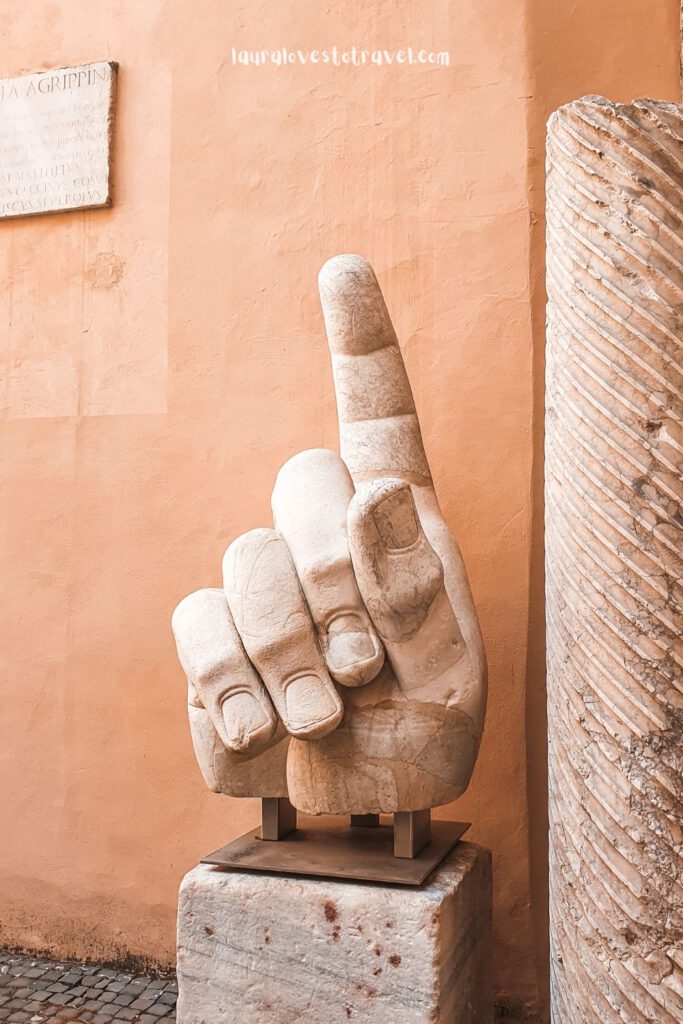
(342, 663)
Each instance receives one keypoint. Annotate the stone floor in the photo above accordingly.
(34, 991)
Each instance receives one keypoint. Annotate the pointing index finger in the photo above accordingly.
(378, 425)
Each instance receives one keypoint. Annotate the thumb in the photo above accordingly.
(401, 580)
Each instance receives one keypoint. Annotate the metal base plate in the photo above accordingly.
(330, 848)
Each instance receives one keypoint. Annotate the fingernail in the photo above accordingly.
(313, 707)
(396, 520)
(245, 720)
(346, 649)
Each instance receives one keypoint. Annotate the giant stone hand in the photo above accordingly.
(342, 664)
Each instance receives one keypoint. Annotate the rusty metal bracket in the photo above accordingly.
(278, 818)
(330, 847)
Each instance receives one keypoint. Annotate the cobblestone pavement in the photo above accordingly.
(34, 991)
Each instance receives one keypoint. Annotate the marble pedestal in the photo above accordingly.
(267, 949)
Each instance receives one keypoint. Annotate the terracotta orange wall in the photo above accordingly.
(163, 358)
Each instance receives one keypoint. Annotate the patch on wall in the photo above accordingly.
(84, 295)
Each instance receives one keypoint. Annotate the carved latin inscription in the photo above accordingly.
(55, 139)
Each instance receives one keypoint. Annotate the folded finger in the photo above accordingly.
(220, 676)
(310, 502)
(401, 579)
(258, 772)
(275, 626)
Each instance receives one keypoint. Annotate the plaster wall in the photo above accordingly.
(161, 359)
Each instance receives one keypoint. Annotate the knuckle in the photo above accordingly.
(324, 574)
(184, 611)
(211, 667)
(193, 608)
(269, 647)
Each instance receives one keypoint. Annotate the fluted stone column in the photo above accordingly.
(614, 454)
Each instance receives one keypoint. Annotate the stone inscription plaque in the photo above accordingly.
(56, 131)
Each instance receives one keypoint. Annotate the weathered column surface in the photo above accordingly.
(265, 949)
(614, 555)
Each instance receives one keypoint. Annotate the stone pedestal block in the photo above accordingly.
(266, 949)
